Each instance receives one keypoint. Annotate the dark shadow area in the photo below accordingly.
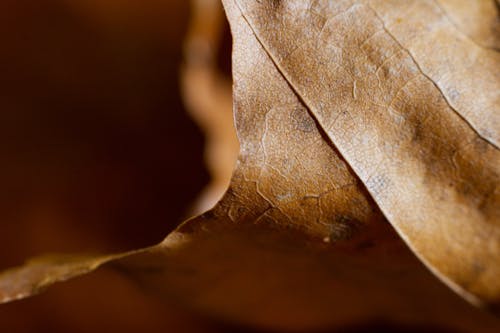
(224, 52)
(96, 150)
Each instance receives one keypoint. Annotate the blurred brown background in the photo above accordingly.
(97, 154)
(96, 151)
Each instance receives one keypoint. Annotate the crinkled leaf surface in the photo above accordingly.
(412, 104)
(348, 113)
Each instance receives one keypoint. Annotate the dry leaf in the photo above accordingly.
(476, 19)
(207, 94)
(337, 103)
(413, 106)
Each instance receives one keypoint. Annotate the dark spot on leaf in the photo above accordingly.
(302, 121)
(343, 228)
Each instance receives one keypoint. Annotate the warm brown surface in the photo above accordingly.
(339, 113)
(413, 106)
(97, 152)
(208, 96)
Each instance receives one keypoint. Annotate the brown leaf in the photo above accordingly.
(337, 103)
(413, 107)
(207, 94)
(476, 19)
